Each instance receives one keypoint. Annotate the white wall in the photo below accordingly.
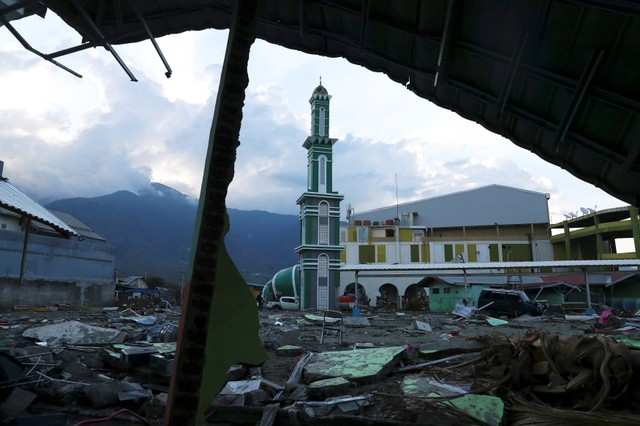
(9, 222)
(372, 284)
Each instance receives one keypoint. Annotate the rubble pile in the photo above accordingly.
(66, 366)
(474, 369)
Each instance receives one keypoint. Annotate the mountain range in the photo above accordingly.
(151, 233)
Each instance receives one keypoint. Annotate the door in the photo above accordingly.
(323, 282)
(437, 253)
(483, 252)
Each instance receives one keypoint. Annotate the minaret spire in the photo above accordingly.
(319, 250)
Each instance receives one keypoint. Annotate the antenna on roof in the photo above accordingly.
(320, 80)
(397, 206)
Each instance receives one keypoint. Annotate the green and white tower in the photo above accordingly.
(320, 248)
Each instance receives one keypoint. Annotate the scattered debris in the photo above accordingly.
(423, 326)
(496, 322)
(328, 387)
(356, 322)
(74, 333)
(318, 319)
(569, 317)
(290, 350)
(463, 310)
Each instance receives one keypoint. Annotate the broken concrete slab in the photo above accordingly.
(496, 322)
(318, 319)
(236, 372)
(356, 365)
(423, 326)
(344, 404)
(328, 387)
(289, 350)
(133, 392)
(424, 385)
(74, 333)
(356, 322)
(463, 311)
(485, 408)
(631, 342)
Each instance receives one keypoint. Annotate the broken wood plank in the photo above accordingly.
(417, 367)
(269, 415)
(296, 373)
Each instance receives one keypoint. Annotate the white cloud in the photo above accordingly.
(64, 137)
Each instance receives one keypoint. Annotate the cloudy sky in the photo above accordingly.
(61, 136)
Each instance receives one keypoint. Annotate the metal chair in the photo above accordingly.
(332, 327)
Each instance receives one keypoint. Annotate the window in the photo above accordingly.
(363, 234)
(321, 121)
(343, 235)
(447, 290)
(366, 254)
(323, 223)
(3, 226)
(322, 174)
(494, 255)
(448, 252)
(377, 233)
(390, 233)
(435, 291)
(415, 253)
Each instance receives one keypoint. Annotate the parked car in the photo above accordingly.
(511, 303)
(285, 303)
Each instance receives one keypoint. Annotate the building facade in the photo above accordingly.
(319, 250)
(49, 257)
(495, 223)
(593, 236)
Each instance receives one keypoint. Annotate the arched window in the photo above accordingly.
(323, 223)
(321, 122)
(322, 174)
(323, 282)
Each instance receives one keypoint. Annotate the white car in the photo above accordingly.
(286, 303)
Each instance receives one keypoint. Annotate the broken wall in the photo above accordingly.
(626, 295)
(57, 270)
(42, 292)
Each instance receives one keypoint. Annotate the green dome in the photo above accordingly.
(285, 282)
(320, 90)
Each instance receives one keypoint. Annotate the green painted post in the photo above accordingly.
(596, 222)
(635, 228)
(567, 242)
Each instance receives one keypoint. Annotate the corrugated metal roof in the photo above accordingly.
(11, 198)
(82, 228)
(483, 206)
